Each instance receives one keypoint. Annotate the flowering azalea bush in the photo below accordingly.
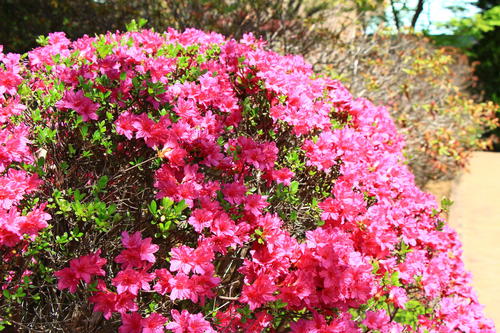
(199, 184)
(21, 214)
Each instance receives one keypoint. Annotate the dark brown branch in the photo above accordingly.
(396, 15)
(418, 11)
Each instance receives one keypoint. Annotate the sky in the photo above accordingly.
(437, 11)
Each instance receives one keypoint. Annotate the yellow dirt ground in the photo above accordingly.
(476, 216)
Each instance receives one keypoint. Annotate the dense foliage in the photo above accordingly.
(428, 91)
(430, 104)
(200, 184)
(291, 25)
(479, 36)
(483, 33)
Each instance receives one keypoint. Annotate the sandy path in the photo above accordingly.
(476, 216)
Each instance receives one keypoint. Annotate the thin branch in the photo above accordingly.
(139, 164)
(228, 298)
(418, 11)
(396, 15)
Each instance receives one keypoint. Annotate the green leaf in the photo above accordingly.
(153, 207)
(42, 40)
(78, 196)
(395, 279)
(168, 224)
(166, 202)
(84, 130)
(446, 203)
(102, 182)
(314, 203)
(180, 207)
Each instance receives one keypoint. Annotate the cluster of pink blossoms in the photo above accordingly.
(15, 183)
(377, 244)
(136, 261)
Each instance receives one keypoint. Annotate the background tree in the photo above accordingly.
(427, 89)
(22, 21)
(487, 51)
(405, 13)
(479, 37)
(292, 25)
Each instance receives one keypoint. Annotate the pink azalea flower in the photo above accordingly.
(259, 292)
(255, 203)
(124, 124)
(129, 258)
(330, 209)
(162, 285)
(202, 259)
(153, 324)
(87, 266)
(9, 82)
(200, 219)
(131, 241)
(181, 287)
(35, 221)
(376, 320)
(83, 268)
(147, 250)
(187, 322)
(283, 176)
(181, 259)
(234, 193)
(398, 296)
(143, 126)
(125, 302)
(259, 324)
(67, 278)
(138, 251)
(131, 323)
(132, 281)
(104, 302)
(80, 103)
